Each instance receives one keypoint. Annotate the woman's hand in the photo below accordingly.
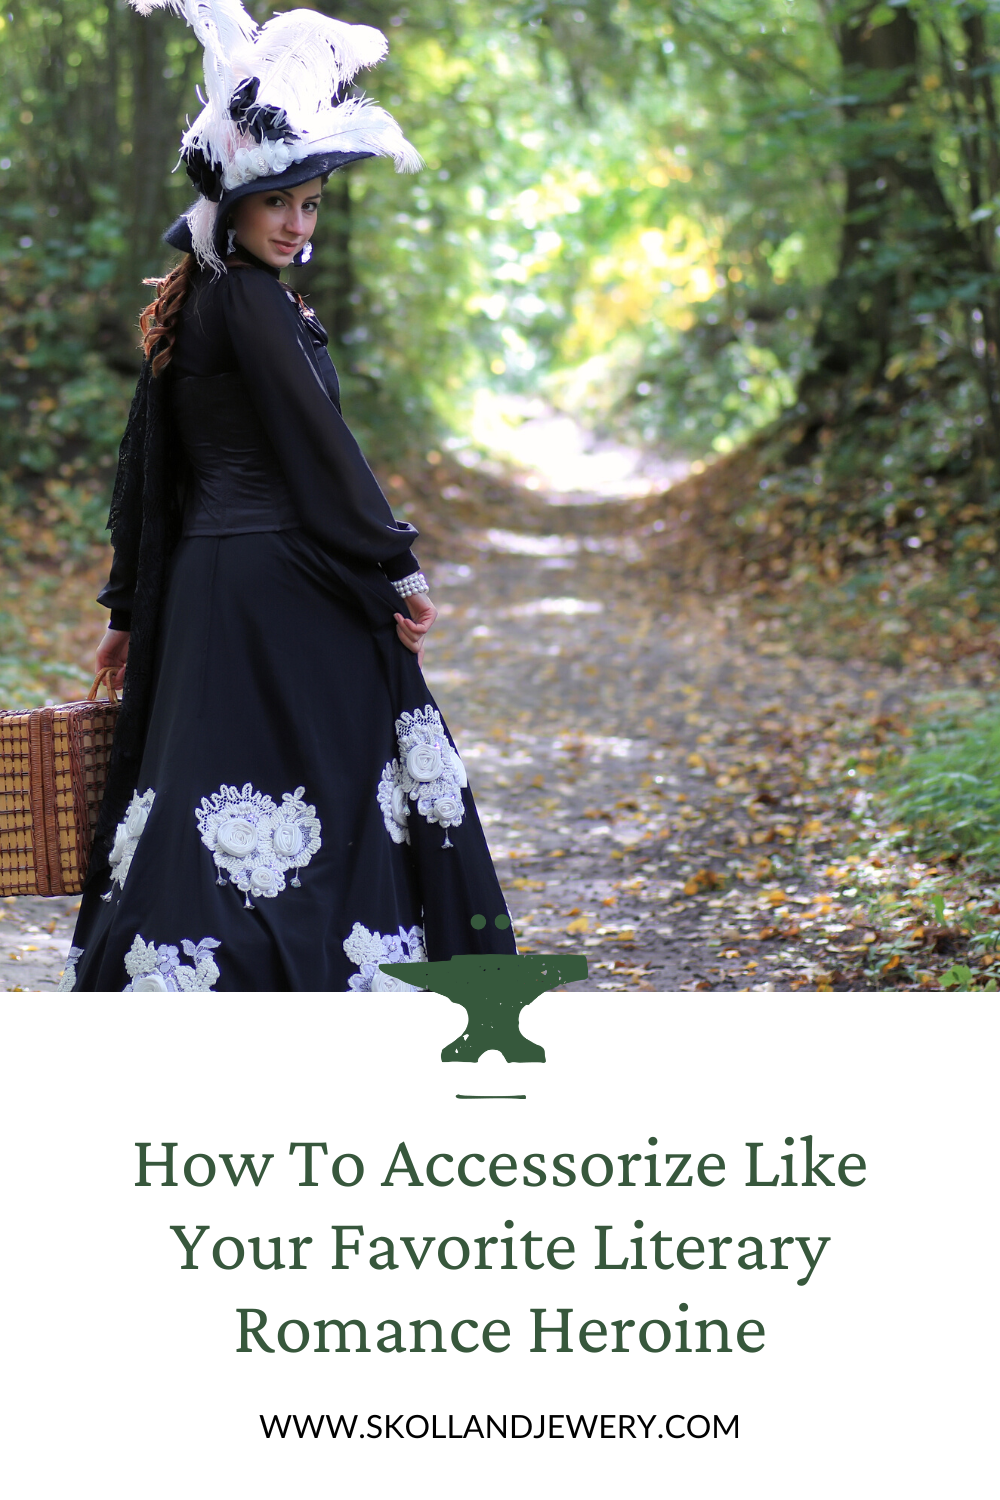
(413, 631)
(112, 654)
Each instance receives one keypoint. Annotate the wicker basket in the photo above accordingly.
(53, 767)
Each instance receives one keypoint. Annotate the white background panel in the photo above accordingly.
(122, 1376)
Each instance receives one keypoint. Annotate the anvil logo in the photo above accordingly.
(493, 988)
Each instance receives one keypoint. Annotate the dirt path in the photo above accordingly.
(659, 788)
(663, 787)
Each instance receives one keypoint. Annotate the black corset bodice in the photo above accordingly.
(252, 402)
(235, 480)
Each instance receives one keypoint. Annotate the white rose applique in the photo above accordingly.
(393, 801)
(369, 949)
(127, 836)
(429, 772)
(68, 979)
(254, 842)
(159, 970)
(295, 833)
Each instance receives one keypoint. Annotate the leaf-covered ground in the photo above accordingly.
(668, 782)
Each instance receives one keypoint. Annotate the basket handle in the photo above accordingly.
(104, 675)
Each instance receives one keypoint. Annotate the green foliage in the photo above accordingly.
(636, 209)
(947, 791)
(63, 406)
(733, 102)
(961, 977)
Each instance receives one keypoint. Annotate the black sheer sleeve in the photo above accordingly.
(125, 520)
(118, 593)
(336, 494)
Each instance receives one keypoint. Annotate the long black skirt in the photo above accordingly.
(301, 813)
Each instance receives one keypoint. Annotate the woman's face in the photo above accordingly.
(274, 226)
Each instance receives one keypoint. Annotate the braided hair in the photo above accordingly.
(158, 321)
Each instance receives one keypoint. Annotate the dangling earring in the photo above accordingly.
(231, 242)
(305, 254)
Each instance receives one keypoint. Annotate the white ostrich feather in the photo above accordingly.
(225, 30)
(223, 25)
(360, 125)
(302, 60)
(201, 222)
(227, 33)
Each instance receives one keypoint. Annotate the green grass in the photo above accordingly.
(947, 791)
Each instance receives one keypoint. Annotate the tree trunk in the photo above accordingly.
(898, 227)
(154, 141)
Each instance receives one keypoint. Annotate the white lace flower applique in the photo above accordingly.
(369, 949)
(393, 801)
(295, 833)
(127, 836)
(254, 842)
(159, 969)
(68, 979)
(429, 772)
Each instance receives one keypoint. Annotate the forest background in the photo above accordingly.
(680, 221)
(760, 235)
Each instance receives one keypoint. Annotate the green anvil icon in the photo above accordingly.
(494, 988)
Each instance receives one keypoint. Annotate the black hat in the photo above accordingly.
(278, 110)
(179, 235)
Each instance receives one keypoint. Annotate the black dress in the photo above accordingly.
(300, 813)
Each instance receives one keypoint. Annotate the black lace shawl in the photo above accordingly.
(145, 524)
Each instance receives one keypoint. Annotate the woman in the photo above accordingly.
(285, 809)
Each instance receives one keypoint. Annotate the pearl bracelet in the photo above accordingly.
(414, 583)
